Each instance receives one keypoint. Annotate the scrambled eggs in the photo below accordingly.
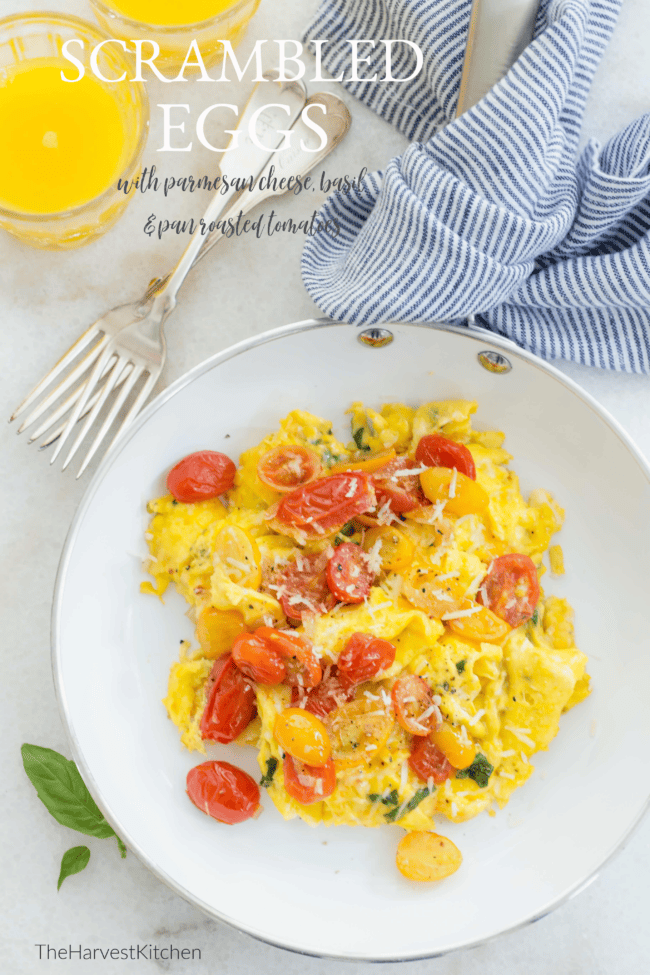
(501, 695)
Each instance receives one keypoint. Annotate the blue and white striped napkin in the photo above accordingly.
(493, 215)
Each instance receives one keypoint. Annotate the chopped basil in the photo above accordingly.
(392, 799)
(412, 804)
(460, 666)
(328, 458)
(357, 436)
(480, 770)
(271, 767)
(535, 618)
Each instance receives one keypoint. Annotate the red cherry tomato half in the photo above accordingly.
(333, 691)
(223, 791)
(231, 702)
(348, 575)
(308, 783)
(302, 587)
(401, 491)
(201, 476)
(428, 762)
(289, 467)
(413, 700)
(511, 588)
(325, 505)
(258, 660)
(364, 656)
(300, 661)
(434, 450)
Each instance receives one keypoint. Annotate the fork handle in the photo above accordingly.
(246, 159)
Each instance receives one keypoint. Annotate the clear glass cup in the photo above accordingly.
(174, 39)
(37, 36)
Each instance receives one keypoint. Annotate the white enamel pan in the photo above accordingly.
(336, 892)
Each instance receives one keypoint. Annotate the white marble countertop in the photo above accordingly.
(47, 299)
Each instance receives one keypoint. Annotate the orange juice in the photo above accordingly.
(167, 13)
(62, 142)
(174, 24)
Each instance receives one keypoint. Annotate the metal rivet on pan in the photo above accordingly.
(494, 362)
(376, 338)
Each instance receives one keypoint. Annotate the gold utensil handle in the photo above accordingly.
(499, 31)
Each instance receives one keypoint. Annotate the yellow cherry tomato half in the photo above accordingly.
(217, 630)
(396, 551)
(237, 552)
(483, 625)
(461, 494)
(457, 751)
(303, 736)
(358, 730)
(366, 464)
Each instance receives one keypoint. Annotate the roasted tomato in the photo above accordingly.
(223, 791)
(231, 702)
(322, 507)
(456, 747)
(302, 588)
(428, 762)
(333, 691)
(308, 783)
(364, 656)
(483, 626)
(434, 450)
(396, 487)
(348, 574)
(257, 659)
(362, 462)
(303, 736)
(414, 705)
(511, 588)
(358, 730)
(216, 630)
(300, 661)
(201, 476)
(289, 467)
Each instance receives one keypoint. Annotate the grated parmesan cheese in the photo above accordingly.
(461, 612)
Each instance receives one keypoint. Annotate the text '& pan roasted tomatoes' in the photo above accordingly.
(308, 783)
(322, 507)
(288, 467)
(223, 791)
(201, 476)
(364, 656)
(348, 574)
(434, 450)
(231, 703)
(511, 588)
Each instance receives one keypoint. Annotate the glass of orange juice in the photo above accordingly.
(174, 24)
(65, 145)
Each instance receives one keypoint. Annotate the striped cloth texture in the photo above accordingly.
(494, 214)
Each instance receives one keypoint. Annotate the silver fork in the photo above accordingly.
(127, 345)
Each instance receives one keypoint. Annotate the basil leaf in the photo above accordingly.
(121, 847)
(271, 766)
(460, 666)
(74, 861)
(535, 618)
(357, 436)
(412, 804)
(480, 770)
(63, 792)
(392, 799)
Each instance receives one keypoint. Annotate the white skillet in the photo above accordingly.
(336, 892)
